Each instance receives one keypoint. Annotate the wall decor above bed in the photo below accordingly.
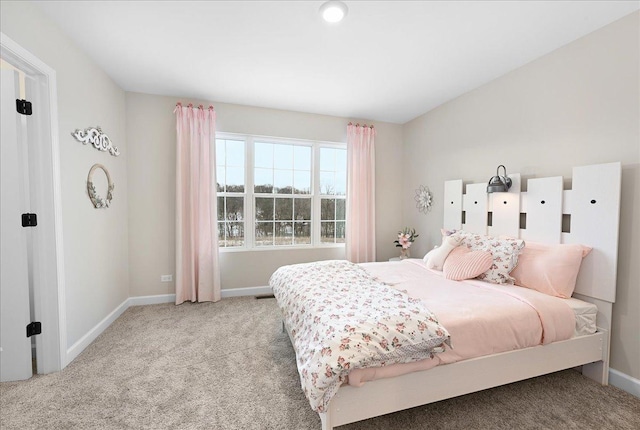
(99, 202)
(97, 138)
(424, 199)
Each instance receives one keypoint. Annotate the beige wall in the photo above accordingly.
(95, 241)
(578, 105)
(151, 133)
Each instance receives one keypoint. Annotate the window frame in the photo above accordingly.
(250, 194)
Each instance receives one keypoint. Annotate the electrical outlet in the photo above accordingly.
(166, 278)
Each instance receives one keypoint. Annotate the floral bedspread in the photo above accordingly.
(341, 318)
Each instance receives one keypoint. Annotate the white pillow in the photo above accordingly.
(439, 255)
(428, 254)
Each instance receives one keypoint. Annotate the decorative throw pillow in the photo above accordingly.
(428, 254)
(439, 255)
(504, 251)
(550, 269)
(462, 263)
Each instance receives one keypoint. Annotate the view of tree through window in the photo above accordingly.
(281, 191)
(282, 194)
(333, 191)
(230, 162)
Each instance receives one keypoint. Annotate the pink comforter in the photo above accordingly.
(481, 318)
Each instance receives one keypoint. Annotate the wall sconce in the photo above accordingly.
(499, 184)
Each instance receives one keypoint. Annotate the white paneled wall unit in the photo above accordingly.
(592, 208)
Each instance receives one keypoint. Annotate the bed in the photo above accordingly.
(587, 214)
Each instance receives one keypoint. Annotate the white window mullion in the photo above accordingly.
(249, 208)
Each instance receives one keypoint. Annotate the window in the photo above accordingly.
(230, 181)
(279, 192)
(333, 193)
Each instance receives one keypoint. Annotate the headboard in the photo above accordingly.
(589, 213)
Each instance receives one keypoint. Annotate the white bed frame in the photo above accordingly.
(593, 204)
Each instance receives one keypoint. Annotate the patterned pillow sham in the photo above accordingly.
(504, 251)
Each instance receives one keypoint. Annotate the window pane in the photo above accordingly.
(341, 160)
(341, 209)
(283, 181)
(235, 180)
(235, 209)
(221, 240)
(220, 208)
(263, 156)
(283, 233)
(284, 209)
(327, 209)
(327, 185)
(341, 183)
(327, 232)
(263, 180)
(235, 233)
(235, 153)
(264, 234)
(220, 172)
(302, 233)
(302, 209)
(328, 159)
(340, 231)
(230, 234)
(302, 182)
(264, 208)
(302, 157)
(283, 156)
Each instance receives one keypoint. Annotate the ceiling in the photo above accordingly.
(387, 61)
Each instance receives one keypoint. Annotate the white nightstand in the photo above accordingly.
(394, 259)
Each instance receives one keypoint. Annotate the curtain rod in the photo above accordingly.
(363, 125)
(179, 104)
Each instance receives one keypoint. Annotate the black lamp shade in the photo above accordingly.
(499, 184)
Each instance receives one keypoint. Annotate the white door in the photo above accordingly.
(15, 346)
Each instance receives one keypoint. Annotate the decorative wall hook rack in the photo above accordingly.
(97, 138)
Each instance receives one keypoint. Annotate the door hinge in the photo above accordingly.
(34, 328)
(23, 107)
(29, 220)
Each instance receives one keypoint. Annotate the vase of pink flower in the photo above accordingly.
(405, 238)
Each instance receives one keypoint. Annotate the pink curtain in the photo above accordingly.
(361, 222)
(197, 268)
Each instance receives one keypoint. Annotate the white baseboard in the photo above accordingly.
(74, 350)
(625, 382)
(152, 300)
(251, 291)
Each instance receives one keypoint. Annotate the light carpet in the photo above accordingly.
(228, 365)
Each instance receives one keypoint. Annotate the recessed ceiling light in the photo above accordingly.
(333, 11)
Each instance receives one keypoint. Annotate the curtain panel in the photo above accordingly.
(197, 267)
(361, 180)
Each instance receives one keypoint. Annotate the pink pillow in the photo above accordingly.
(463, 263)
(550, 269)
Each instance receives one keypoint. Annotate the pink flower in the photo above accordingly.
(404, 241)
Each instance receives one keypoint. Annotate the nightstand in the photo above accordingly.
(395, 259)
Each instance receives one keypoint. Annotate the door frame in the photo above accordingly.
(46, 201)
